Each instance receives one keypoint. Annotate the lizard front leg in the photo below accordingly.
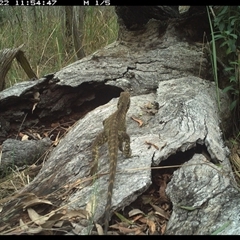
(124, 138)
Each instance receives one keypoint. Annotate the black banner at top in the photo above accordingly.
(77, 3)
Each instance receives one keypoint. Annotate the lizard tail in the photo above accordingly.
(113, 145)
(113, 165)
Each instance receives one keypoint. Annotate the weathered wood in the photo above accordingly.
(181, 122)
(20, 153)
(204, 200)
(6, 58)
(177, 105)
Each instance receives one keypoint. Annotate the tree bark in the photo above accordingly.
(69, 29)
(78, 23)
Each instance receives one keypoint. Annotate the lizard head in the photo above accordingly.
(124, 101)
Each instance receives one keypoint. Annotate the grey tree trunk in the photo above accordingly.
(68, 29)
(78, 23)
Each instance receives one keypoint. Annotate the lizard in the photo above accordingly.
(114, 133)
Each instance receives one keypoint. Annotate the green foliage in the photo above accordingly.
(226, 33)
(214, 57)
(227, 23)
(219, 230)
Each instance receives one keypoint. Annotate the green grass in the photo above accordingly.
(44, 41)
(224, 24)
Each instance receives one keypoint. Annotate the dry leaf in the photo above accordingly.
(3, 227)
(35, 201)
(59, 224)
(36, 96)
(45, 134)
(140, 122)
(37, 136)
(152, 144)
(150, 223)
(73, 185)
(75, 213)
(160, 211)
(56, 141)
(152, 226)
(24, 137)
(21, 135)
(55, 125)
(189, 208)
(35, 230)
(55, 216)
(139, 232)
(27, 229)
(183, 9)
(135, 212)
(163, 228)
(52, 220)
(23, 226)
(136, 218)
(124, 229)
(48, 224)
(34, 106)
(99, 229)
(35, 217)
(119, 224)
